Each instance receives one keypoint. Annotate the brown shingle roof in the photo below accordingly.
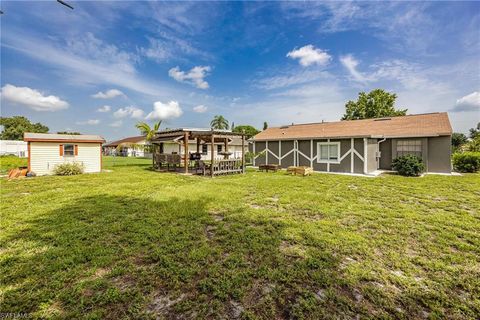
(419, 125)
(135, 139)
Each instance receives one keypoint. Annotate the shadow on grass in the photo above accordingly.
(122, 257)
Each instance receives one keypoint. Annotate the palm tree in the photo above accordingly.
(219, 123)
(149, 133)
(146, 130)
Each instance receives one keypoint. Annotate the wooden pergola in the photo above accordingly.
(204, 136)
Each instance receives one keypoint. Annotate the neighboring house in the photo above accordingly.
(358, 146)
(13, 147)
(45, 151)
(136, 146)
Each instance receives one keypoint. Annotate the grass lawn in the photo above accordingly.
(133, 243)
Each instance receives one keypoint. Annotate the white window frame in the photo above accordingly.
(319, 144)
(73, 150)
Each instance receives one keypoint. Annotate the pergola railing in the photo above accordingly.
(203, 136)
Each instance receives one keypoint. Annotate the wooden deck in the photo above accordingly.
(220, 167)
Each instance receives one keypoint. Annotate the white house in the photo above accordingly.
(45, 151)
(136, 146)
(14, 147)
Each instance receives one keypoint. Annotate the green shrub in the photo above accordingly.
(68, 169)
(408, 165)
(466, 161)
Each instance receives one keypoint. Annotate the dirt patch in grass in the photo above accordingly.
(235, 310)
(210, 231)
(162, 303)
(123, 283)
(292, 249)
(259, 291)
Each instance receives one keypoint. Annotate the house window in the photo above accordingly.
(68, 150)
(204, 149)
(219, 148)
(328, 152)
(409, 147)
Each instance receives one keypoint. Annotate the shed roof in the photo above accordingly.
(134, 139)
(52, 137)
(418, 125)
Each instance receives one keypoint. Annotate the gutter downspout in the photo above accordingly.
(378, 148)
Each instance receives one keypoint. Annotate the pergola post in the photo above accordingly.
(153, 155)
(185, 144)
(212, 147)
(226, 148)
(198, 145)
(243, 153)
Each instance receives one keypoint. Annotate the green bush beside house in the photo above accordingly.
(408, 165)
(466, 161)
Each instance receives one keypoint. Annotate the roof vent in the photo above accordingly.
(383, 119)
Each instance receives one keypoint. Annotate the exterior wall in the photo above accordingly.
(386, 155)
(15, 147)
(305, 153)
(439, 154)
(372, 161)
(44, 156)
(262, 159)
(344, 165)
(436, 153)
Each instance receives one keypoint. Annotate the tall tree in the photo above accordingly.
(14, 127)
(474, 132)
(147, 131)
(458, 140)
(377, 103)
(248, 130)
(265, 125)
(219, 123)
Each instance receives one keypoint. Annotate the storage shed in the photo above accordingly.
(45, 151)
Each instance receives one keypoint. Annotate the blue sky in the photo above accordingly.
(104, 66)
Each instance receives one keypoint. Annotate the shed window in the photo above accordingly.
(409, 147)
(68, 150)
(204, 149)
(328, 152)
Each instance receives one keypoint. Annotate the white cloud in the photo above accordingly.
(195, 76)
(32, 98)
(131, 111)
(166, 46)
(470, 102)
(109, 94)
(163, 111)
(91, 122)
(291, 78)
(86, 61)
(309, 55)
(116, 124)
(351, 64)
(104, 109)
(200, 109)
